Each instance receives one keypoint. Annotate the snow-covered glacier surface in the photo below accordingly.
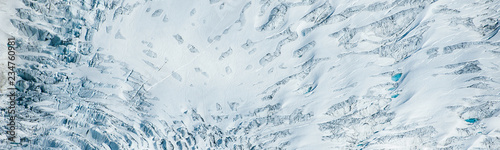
(261, 74)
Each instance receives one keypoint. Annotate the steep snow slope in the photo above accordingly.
(288, 74)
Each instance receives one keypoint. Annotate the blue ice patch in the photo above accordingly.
(394, 96)
(219, 142)
(396, 77)
(471, 120)
(391, 89)
(310, 89)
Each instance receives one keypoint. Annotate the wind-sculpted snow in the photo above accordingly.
(289, 74)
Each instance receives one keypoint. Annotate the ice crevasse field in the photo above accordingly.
(260, 74)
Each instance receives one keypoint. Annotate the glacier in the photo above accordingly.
(259, 74)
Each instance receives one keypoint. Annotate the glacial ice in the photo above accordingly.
(288, 74)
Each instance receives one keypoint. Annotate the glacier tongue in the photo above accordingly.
(288, 74)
